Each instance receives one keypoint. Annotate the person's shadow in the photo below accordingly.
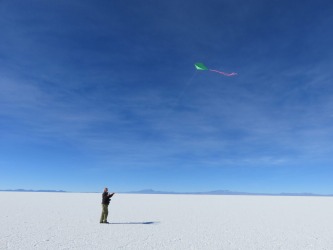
(135, 223)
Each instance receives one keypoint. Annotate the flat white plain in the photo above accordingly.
(137, 221)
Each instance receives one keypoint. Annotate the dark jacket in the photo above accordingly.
(106, 197)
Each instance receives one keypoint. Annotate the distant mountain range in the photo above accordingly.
(151, 191)
(30, 190)
(223, 192)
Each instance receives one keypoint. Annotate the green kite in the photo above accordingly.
(201, 66)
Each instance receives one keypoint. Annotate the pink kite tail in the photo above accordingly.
(223, 73)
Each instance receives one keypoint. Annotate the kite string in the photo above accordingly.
(164, 117)
(176, 102)
(187, 85)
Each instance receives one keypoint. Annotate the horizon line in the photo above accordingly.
(151, 191)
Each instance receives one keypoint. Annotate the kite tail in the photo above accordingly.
(223, 73)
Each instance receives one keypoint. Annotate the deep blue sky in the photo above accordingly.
(104, 93)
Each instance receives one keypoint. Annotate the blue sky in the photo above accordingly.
(105, 93)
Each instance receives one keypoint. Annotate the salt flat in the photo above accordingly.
(71, 221)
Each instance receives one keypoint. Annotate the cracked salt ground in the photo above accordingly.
(71, 221)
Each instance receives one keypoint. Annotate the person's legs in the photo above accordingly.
(104, 215)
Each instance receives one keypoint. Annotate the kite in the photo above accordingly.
(201, 66)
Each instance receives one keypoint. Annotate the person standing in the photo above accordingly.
(106, 197)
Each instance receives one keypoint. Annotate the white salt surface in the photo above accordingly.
(71, 221)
